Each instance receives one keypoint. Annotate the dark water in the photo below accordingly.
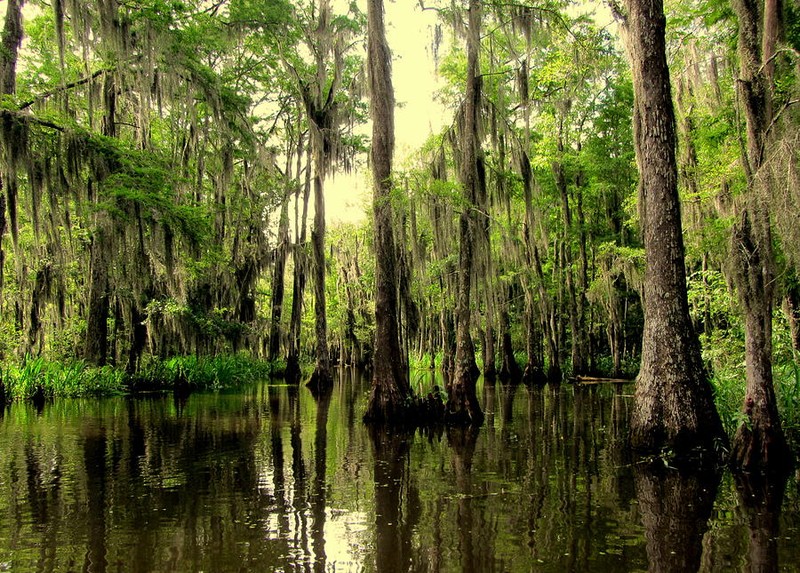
(271, 480)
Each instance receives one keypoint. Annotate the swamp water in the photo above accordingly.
(270, 479)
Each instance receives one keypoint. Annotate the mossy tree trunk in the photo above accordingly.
(9, 50)
(299, 277)
(99, 304)
(462, 404)
(673, 403)
(759, 442)
(283, 247)
(391, 391)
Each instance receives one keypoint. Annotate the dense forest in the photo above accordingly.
(592, 203)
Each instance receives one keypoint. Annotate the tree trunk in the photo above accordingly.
(11, 41)
(96, 342)
(448, 330)
(322, 376)
(278, 288)
(299, 279)
(462, 404)
(673, 403)
(510, 372)
(534, 368)
(391, 390)
(488, 348)
(759, 442)
(580, 350)
(567, 261)
(9, 49)
(547, 312)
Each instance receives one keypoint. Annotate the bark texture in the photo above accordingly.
(759, 442)
(9, 50)
(673, 405)
(96, 341)
(12, 38)
(462, 404)
(293, 372)
(322, 376)
(391, 391)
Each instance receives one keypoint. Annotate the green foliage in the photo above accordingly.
(787, 389)
(201, 373)
(38, 378)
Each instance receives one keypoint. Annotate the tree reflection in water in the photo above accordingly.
(675, 507)
(760, 498)
(319, 501)
(396, 499)
(270, 478)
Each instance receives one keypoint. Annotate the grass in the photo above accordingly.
(37, 378)
(202, 373)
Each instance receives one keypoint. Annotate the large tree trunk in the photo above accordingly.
(11, 41)
(96, 342)
(673, 403)
(9, 49)
(462, 404)
(759, 441)
(322, 376)
(390, 385)
(321, 110)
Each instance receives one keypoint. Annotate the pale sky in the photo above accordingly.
(409, 33)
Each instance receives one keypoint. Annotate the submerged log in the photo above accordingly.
(601, 380)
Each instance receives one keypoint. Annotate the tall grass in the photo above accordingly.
(38, 378)
(201, 373)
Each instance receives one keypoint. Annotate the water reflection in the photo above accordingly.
(275, 479)
(676, 506)
(396, 500)
(761, 497)
(319, 502)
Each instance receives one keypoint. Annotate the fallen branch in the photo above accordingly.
(601, 380)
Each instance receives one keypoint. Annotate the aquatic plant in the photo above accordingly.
(38, 379)
(199, 373)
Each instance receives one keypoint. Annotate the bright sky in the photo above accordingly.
(409, 32)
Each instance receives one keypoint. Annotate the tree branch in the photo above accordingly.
(69, 86)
